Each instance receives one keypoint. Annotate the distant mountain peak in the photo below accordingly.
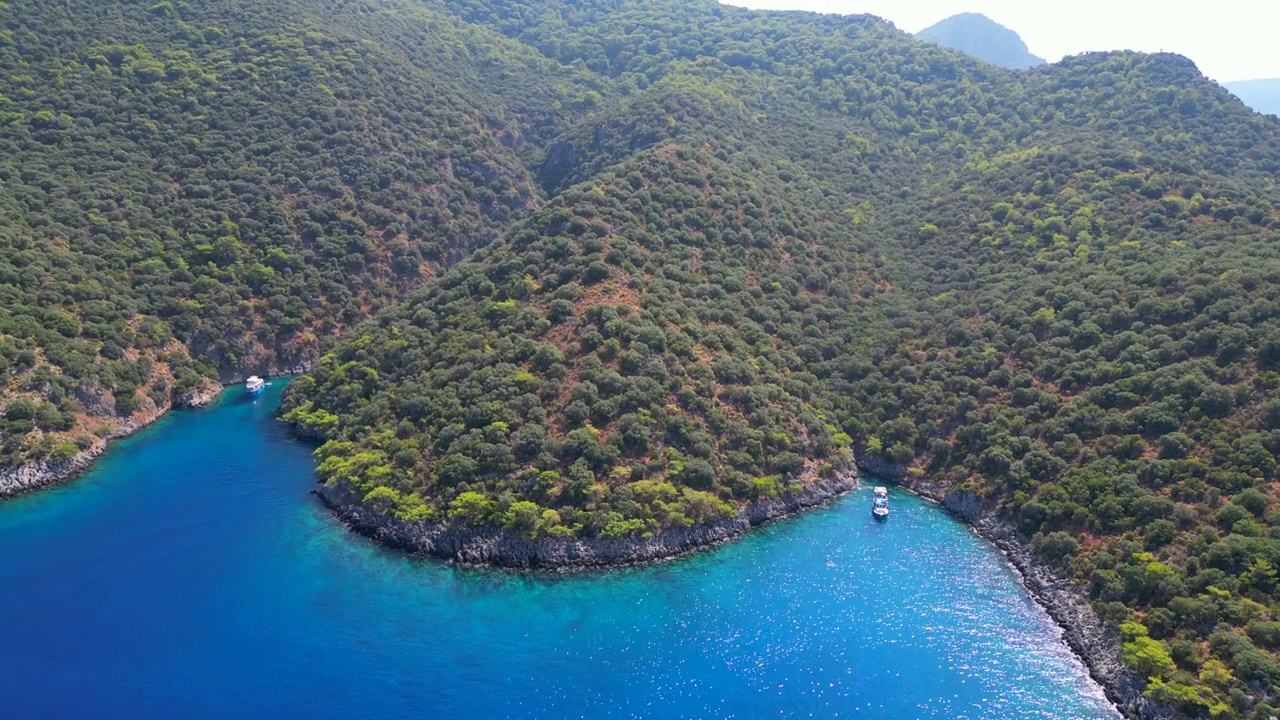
(1261, 95)
(978, 35)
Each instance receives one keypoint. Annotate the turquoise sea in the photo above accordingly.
(191, 574)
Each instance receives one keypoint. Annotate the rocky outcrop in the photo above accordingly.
(1096, 643)
(205, 392)
(25, 478)
(507, 548)
(96, 400)
(878, 466)
(562, 158)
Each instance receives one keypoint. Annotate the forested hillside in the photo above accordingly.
(795, 238)
(610, 268)
(200, 188)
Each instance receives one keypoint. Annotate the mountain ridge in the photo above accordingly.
(236, 196)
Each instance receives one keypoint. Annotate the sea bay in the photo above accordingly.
(191, 573)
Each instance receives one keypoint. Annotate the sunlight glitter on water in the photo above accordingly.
(192, 572)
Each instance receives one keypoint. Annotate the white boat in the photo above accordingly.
(880, 505)
(254, 385)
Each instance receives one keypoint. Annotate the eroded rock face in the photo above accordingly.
(878, 466)
(1097, 643)
(507, 548)
(95, 399)
(202, 394)
(25, 478)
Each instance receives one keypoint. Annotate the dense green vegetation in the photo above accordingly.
(659, 260)
(621, 360)
(783, 238)
(191, 188)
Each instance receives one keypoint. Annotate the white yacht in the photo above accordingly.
(880, 505)
(254, 385)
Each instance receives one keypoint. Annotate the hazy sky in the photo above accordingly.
(1228, 39)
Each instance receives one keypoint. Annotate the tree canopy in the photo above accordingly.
(608, 267)
(193, 189)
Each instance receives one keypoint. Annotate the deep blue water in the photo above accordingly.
(190, 574)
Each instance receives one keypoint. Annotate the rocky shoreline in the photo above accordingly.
(500, 547)
(1097, 644)
(33, 476)
(23, 479)
(1092, 640)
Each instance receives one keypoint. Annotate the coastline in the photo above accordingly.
(1096, 644)
(22, 479)
(500, 547)
(1089, 638)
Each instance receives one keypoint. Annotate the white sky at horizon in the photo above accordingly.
(1228, 39)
